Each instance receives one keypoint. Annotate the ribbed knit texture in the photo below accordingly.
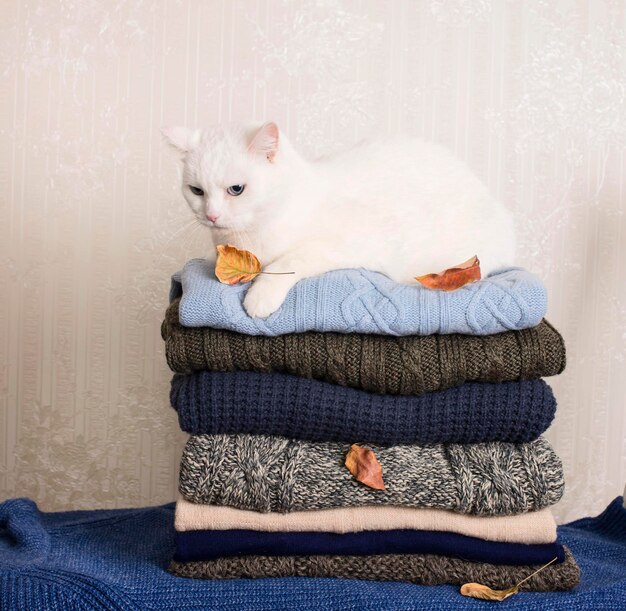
(116, 559)
(408, 365)
(361, 301)
(415, 568)
(212, 544)
(530, 527)
(290, 406)
(276, 474)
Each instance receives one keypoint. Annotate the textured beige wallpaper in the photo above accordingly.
(532, 94)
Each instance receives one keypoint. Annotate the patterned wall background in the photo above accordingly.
(532, 94)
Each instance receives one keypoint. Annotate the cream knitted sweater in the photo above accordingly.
(532, 527)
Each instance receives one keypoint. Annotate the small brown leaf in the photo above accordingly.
(234, 265)
(454, 277)
(477, 590)
(364, 465)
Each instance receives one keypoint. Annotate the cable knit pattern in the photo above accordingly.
(275, 474)
(361, 301)
(286, 405)
(416, 568)
(408, 365)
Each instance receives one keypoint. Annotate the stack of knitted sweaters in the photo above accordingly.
(444, 387)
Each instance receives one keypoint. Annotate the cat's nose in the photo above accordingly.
(213, 217)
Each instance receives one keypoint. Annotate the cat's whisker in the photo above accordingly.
(191, 224)
(195, 228)
(193, 234)
(181, 230)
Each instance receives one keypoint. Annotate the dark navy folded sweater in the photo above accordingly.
(313, 410)
(194, 545)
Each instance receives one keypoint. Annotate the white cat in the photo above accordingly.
(401, 207)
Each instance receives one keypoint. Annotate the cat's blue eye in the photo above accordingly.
(235, 189)
(196, 190)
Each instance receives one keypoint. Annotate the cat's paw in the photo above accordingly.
(264, 297)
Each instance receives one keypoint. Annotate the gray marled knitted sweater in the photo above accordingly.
(265, 473)
(424, 569)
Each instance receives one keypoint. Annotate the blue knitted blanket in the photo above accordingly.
(300, 408)
(361, 301)
(116, 560)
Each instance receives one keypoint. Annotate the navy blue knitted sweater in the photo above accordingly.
(211, 544)
(299, 408)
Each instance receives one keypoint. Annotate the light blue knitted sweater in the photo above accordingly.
(361, 301)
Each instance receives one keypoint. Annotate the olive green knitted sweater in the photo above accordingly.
(408, 365)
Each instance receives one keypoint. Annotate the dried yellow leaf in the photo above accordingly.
(478, 590)
(234, 265)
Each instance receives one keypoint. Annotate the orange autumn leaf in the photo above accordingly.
(364, 465)
(454, 277)
(234, 265)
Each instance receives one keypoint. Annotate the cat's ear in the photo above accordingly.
(265, 141)
(181, 138)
